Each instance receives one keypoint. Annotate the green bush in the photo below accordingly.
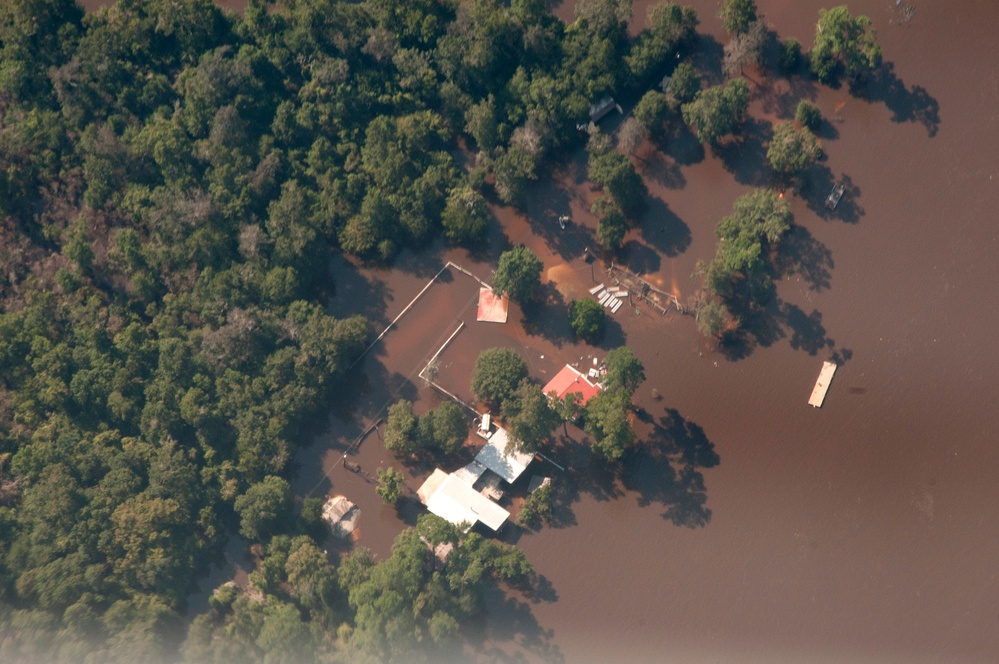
(790, 55)
(808, 114)
(587, 318)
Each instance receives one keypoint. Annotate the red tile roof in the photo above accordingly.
(569, 380)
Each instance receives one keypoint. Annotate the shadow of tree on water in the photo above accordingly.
(638, 257)
(817, 182)
(745, 155)
(353, 293)
(547, 203)
(663, 229)
(765, 325)
(781, 93)
(802, 255)
(913, 104)
(509, 621)
(665, 469)
(548, 316)
(680, 143)
(662, 170)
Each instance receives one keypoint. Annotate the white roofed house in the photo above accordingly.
(451, 497)
(494, 456)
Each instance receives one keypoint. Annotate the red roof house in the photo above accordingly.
(570, 380)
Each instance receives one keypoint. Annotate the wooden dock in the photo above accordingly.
(822, 385)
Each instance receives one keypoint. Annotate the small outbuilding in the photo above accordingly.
(600, 110)
(340, 515)
(492, 308)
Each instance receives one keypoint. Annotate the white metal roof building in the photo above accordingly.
(494, 457)
(453, 499)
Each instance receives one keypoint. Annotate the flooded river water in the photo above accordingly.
(864, 531)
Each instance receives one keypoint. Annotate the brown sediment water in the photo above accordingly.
(864, 531)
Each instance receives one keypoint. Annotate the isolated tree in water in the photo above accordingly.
(616, 174)
(497, 373)
(400, 427)
(587, 319)
(792, 150)
(842, 40)
(612, 225)
(443, 429)
(717, 111)
(737, 15)
(530, 417)
(624, 370)
(391, 484)
(808, 115)
(518, 274)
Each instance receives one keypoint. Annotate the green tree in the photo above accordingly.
(808, 115)
(465, 217)
(538, 507)
(684, 84)
(284, 637)
(513, 169)
(481, 124)
(789, 55)
(587, 319)
(410, 598)
(671, 30)
(842, 40)
(792, 150)
(497, 373)
(310, 576)
(568, 407)
(400, 428)
(265, 508)
(624, 370)
(518, 274)
(607, 421)
(391, 485)
(712, 318)
(759, 220)
(736, 15)
(616, 174)
(717, 112)
(612, 225)
(311, 517)
(652, 110)
(529, 417)
(443, 429)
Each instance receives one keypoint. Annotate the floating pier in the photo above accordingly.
(822, 385)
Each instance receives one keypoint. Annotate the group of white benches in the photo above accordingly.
(612, 298)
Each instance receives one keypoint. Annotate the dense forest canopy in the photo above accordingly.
(173, 180)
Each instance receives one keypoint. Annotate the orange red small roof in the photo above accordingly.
(570, 380)
(492, 308)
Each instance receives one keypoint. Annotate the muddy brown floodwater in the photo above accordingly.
(865, 531)
(760, 529)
